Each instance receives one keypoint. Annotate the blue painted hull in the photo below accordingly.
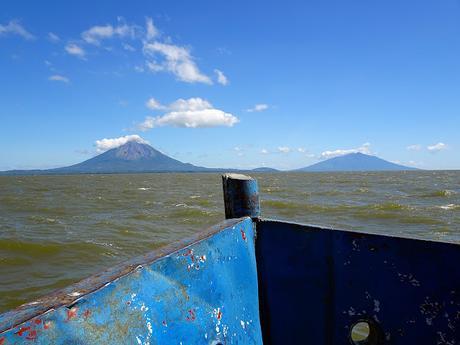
(316, 283)
(203, 293)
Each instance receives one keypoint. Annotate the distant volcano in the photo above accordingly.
(355, 162)
(130, 157)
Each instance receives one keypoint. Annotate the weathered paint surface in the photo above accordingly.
(315, 284)
(205, 293)
(241, 196)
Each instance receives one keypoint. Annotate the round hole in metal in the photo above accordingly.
(360, 333)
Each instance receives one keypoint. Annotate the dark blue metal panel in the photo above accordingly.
(316, 283)
(205, 293)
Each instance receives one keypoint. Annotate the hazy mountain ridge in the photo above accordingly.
(130, 157)
(134, 157)
(355, 162)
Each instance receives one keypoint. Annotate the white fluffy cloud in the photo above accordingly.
(147, 124)
(221, 78)
(284, 149)
(167, 57)
(76, 50)
(153, 104)
(98, 33)
(190, 113)
(257, 108)
(174, 59)
(151, 30)
(437, 147)
(365, 148)
(158, 52)
(58, 77)
(15, 28)
(107, 144)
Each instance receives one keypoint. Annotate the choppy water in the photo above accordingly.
(55, 230)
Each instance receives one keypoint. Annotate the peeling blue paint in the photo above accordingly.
(204, 293)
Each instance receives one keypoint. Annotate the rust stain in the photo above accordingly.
(22, 330)
(243, 235)
(32, 335)
(87, 313)
(184, 293)
(191, 315)
(72, 313)
(2, 341)
(189, 253)
(46, 324)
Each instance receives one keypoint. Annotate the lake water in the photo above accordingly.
(55, 230)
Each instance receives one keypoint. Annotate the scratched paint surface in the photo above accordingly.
(206, 293)
(321, 282)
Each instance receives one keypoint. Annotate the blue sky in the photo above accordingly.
(231, 83)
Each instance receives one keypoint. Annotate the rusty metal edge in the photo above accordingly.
(71, 294)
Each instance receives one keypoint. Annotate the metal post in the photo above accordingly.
(241, 196)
